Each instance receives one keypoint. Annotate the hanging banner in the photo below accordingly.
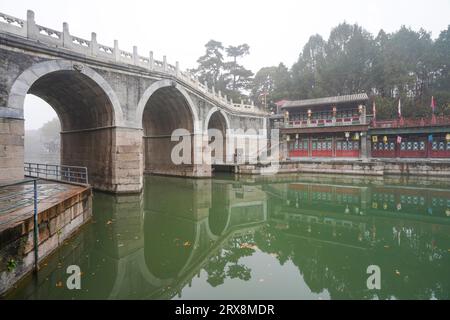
(447, 136)
(385, 139)
(430, 138)
(374, 138)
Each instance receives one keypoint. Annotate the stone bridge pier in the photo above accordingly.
(118, 110)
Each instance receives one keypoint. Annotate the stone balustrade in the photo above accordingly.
(30, 30)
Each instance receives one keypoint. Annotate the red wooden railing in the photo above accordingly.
(417, 122)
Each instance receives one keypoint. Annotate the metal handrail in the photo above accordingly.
(63, 173)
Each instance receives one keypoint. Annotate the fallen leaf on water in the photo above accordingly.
(109, 222)
(261, 280)
(59, 284)
(386, 247)
(397, 272)
(187, 244)
(247, 246)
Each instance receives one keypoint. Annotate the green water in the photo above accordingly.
(283, 237)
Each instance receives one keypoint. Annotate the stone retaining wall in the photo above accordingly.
(56, 224)
(374, 167)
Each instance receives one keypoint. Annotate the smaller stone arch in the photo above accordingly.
(219, 118)
(162, 84)
(209, 115)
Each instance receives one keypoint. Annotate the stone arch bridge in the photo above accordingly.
(117, 109)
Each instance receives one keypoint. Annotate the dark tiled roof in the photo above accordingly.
(328, 100)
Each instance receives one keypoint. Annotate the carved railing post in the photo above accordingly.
(151, 61)
(116, 50)
(32, 30)
(94, 45)
(135, 55)
(165, 63)
(66, 39)
(177, 68)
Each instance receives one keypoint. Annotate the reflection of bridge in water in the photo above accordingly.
(153, 245)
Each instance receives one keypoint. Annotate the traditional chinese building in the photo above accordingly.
(339, 127)
(325, 127)
(411, 138)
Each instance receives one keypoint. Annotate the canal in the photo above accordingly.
(280, 237)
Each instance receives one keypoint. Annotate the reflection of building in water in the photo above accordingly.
(332, 233)
(418, 203)
(359, 215)
(433, 202)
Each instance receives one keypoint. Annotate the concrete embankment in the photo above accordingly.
(375, 167)
(60, 214)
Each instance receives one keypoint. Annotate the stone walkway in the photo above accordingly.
(16, 202)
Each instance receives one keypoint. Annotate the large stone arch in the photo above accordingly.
(26, 79)
(88, 109)
(164, 107)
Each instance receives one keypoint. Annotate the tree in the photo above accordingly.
(306, 72)
(230, 77)
(210, 65)
(263, 85)
(349, 58)
(442, 72)
(237, 71)
(51, 129)
(379, 79)
(240, 76)
(271, 84)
